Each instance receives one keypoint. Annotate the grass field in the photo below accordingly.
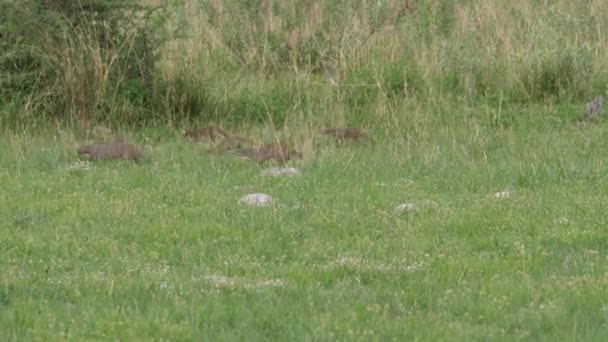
(164, 250)
(472, 107)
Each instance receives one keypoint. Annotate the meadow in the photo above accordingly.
(472, 109)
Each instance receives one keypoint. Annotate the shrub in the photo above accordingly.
(88, 60)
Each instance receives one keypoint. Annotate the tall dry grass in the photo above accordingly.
(343, 61)
(346, 62)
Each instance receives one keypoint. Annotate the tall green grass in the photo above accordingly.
(463, 99)
(352, 62)
(325, 61)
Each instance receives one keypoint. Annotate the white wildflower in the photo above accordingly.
(281, 171)
(257, 200)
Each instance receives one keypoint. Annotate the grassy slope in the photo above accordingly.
(163, 249)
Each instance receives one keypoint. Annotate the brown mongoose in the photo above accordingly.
(345, 134)
(223, 141)
(214, 134)
(278, 151)
(113, 150)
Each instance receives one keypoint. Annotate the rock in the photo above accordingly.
(257, 200)
(281, 171)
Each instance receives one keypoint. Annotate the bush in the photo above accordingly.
(88, 60)
(21, 61)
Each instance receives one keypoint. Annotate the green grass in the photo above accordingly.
(163, 250)
(463, 99)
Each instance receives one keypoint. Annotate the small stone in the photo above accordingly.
(281, 171)
(257, 200)
(503, 194)
(406, 207)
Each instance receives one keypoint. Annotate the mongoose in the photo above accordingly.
(345, 134)
(278, 151)
(113, 150)
(222, 140)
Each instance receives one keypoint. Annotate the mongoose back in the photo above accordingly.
(222, 140)
(345, 134)
(113, 150)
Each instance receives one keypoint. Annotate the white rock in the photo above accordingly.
(504, 194)
(281, 171)
(257, 200)
(406, 207)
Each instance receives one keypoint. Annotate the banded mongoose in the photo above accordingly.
(278, 151)
(346, 134)
(222, 140)
(113, 150)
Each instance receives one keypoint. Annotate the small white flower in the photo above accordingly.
(431, 204)
(257, 200)
(266, 283)
(83, 165)
(503, 194)
(281, 171)
(243, 187)
(220, 281)
(165, 286)
(406, 207)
